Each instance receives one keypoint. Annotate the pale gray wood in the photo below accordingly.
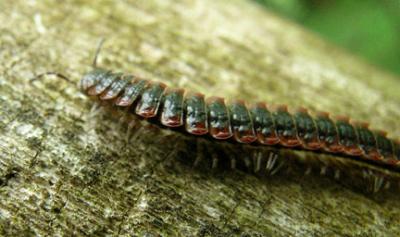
(67, 172)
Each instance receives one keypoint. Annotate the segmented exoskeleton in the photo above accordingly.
(256, 124)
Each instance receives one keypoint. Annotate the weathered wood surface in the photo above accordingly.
(66, 173)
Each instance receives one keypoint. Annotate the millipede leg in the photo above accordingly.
(308, 170)
(122, 119)
(94, 110)
(199, 153)
(323, 170)
(136, 134)
(131, 126)
(369, 178)
(278, 166)
(378, 182)
(365, 174)
(257, 161)
(214, 158)
(247, 162)
(231, 155)
(233, 163)
(387, 185)
(337, 174)
(197, 160)
(271, 161)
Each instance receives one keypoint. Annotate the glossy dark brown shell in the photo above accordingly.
(237, 121)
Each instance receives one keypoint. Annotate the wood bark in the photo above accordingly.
(65, 171)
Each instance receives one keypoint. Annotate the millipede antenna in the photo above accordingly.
(98, 52)
(57, 74)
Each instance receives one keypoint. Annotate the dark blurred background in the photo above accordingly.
(368, 28)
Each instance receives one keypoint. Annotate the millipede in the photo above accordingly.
(261, 130)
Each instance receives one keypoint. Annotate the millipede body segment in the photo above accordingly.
(237, 122)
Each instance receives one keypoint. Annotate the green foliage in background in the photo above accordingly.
(369, 28)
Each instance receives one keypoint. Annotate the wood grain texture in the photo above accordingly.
(67, 172)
